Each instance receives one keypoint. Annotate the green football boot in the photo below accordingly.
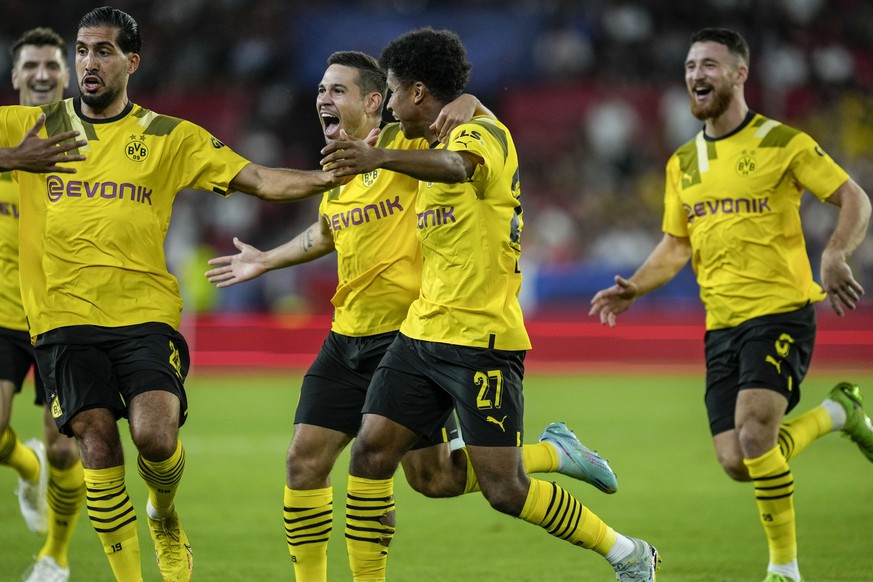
(858, 426)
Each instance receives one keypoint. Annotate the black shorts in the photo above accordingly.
(16, 360)
(335, 386)
(87, 366)
(419, 382)
(771, 351)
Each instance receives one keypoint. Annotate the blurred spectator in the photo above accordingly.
(588, 88)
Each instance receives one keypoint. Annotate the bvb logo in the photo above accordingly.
(57, 412)
(746, 165)
(370, 177)
(175, 359)
(136, 150)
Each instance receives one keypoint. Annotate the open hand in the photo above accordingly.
(38, 155)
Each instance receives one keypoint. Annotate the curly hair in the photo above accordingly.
(436, 58)
(39, 36)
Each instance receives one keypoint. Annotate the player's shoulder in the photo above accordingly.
(774, 133)
(392, 137)
(158, 123)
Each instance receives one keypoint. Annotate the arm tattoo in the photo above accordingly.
(306, 240)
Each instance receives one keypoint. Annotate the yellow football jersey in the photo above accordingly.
(738, 200)
(372, 221)
(11, 309)
(470, 235)
(92, 243)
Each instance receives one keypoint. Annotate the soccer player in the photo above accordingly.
(50, 483)
(102, 308)
(370, 224)
(731, 206)
(463, 341)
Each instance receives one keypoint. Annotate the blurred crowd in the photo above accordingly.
(592, 90)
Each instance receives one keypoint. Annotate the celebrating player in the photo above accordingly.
(731, 207)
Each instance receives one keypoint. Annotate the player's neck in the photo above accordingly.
(112, 110)
(728, 121)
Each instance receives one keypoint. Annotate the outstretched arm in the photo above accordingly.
(662, 264)
(283, 184)
(38, 155)
(349, 156)
(249, 263)
(836, 275)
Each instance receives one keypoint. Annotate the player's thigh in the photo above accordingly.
(404, 390)
(775, 354)
(77, 377)
(486, 388)
(16, 360)
(150, 357)
(336, 384)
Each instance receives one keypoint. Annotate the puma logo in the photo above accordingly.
(499, 423)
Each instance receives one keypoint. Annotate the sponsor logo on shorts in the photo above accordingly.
(499, 423)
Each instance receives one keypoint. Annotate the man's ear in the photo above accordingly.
(419, 92)
(373, 102)
(132, 63)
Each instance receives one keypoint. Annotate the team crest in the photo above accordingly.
(136, 149)
(370, 177)
(175, 359)
(746, 165)
(57, 412)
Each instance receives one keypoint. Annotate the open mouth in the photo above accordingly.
(702, 91)
(330, 123)
(91, 83)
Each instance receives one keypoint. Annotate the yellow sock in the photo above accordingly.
(162, 479)
(66, 492)
(114, 520)
(19, 457)
(774, 492)
(562, 516)
(369, 527)
(472, 483)
(794, 436)
(308, 522)
(539, 458)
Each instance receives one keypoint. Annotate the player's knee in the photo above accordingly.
(431, 484)
(307, 471)
(156, 446)
(62, 453)
(505, 498)
(734, 467)
(372, 461)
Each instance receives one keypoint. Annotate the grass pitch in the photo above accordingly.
(652, 428)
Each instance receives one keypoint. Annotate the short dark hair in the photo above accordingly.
(39, 36)
(436, 58)
(128, 38)
(734, 42)
(371, 77)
